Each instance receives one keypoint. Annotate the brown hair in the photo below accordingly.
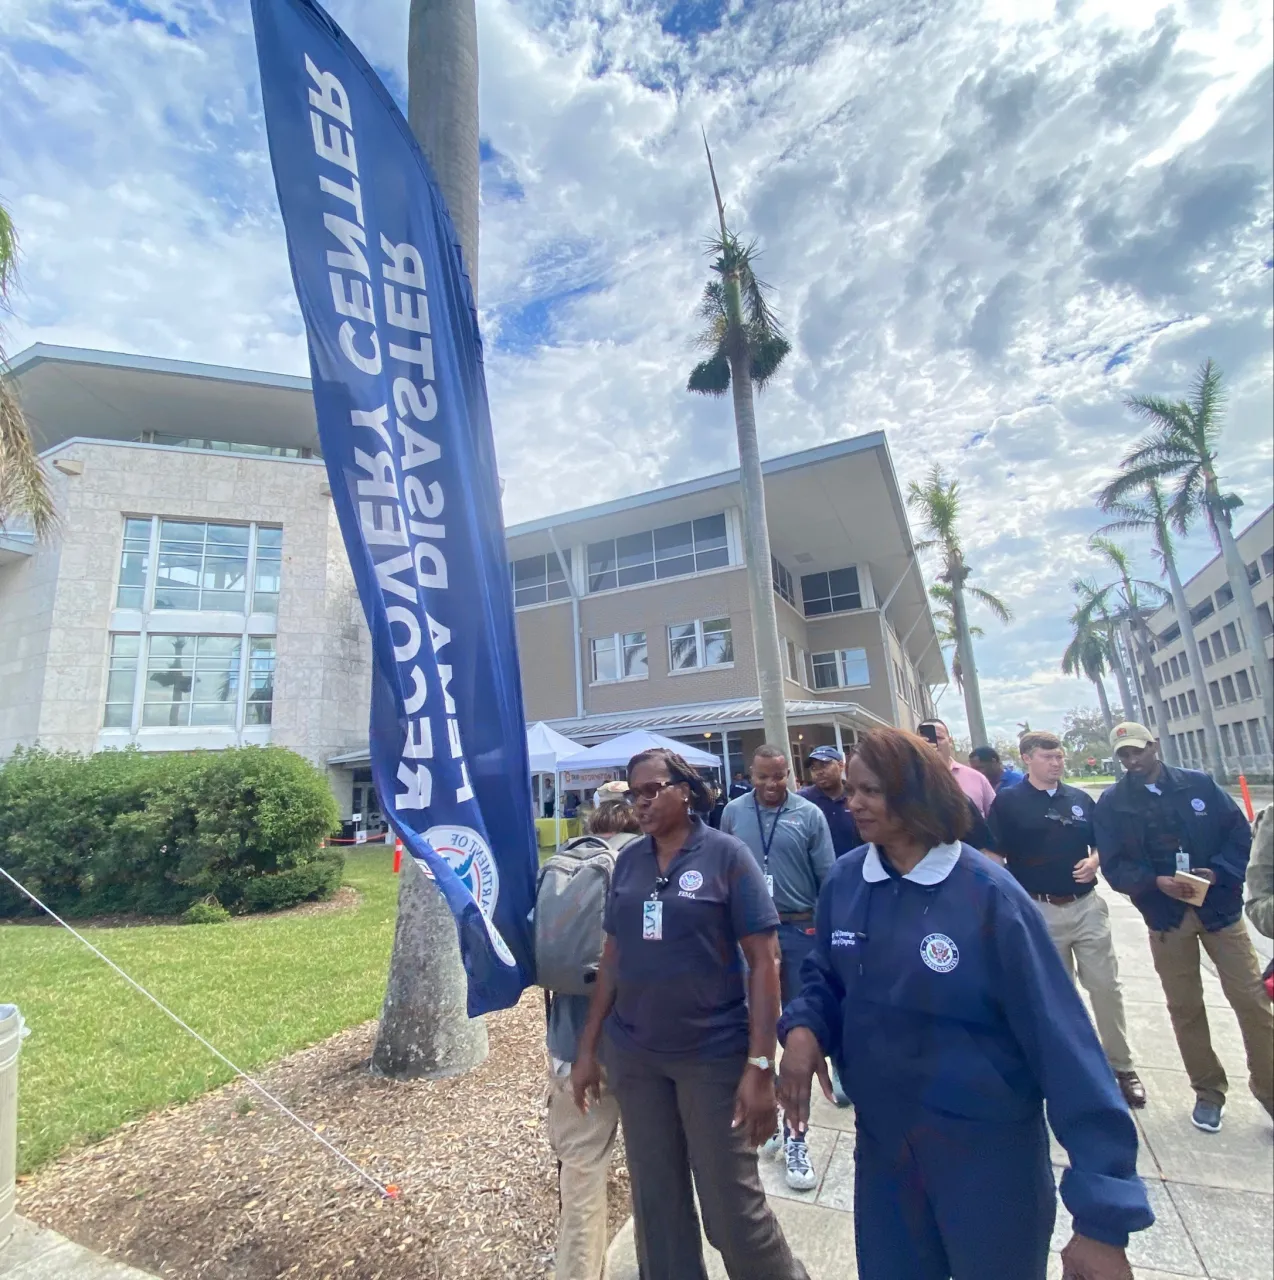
(612, 818)
(920, 790)
(1038, 741)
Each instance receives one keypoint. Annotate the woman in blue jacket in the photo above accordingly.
(935, 985)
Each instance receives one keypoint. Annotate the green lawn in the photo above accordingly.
(100, 1054)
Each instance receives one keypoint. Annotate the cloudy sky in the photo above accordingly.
(985, 224)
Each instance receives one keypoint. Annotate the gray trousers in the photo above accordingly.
(676, 1118)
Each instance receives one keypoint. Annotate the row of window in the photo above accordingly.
(1222, 643)
(692, 646)
(172, 681)
(229, 446)
(1226, 692)
(1221, 597)
(199, 566)
(1237, 739)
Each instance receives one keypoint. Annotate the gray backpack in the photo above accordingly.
(570, 901)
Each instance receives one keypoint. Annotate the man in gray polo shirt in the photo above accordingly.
(790, 840)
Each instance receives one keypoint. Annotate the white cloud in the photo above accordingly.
(968, 213)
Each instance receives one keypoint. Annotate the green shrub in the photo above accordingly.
(205, 913)
(313, 882)
(122, 831)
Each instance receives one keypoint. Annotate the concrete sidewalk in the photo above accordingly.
(1213, 1194)
(35, 1253)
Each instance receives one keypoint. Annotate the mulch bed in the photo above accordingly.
(226, 1188)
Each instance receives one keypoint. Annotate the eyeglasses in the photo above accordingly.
(1064, 818)
(647, 791)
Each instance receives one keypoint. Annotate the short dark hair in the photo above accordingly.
(612, 818)
(933, 720)
(767, 751)
(920, 791)
(984, 753)
(678, 771)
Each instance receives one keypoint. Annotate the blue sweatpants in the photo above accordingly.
(954, 1200)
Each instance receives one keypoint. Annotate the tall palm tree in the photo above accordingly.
(944, 624)
(746, 345)
(1095, 602)
(24, 487)
(1089, 654)
(1132, 611)
(1150, 513)
(425, 1030)
(1181, 446)
(938, 502)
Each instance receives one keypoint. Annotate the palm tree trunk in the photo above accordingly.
(1236, 571)
(969, 670)
(1105, 704)
(756, 542)
(1150, 683)
(425, 1030)
(1138, 705)
(1212, 742)
(1121, 674)
(442, 109)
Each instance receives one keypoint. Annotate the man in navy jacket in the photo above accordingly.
(1154, 822)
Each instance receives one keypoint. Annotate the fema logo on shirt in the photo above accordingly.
(940, 953)
(1197, 805)
(1077, 810)
(470, 858)
(690, 882)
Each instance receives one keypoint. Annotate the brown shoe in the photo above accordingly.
(1131, 1087)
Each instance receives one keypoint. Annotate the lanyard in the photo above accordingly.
(766, 843)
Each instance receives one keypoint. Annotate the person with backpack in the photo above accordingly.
(572, 888)
(689, 1040)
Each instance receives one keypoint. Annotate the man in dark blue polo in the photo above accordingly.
(1155, 822)
(827, 768)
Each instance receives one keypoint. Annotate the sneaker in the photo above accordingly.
(800, 1173)
(773, 1145)
(1206, 1116)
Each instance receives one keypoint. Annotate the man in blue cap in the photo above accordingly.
(827, 768)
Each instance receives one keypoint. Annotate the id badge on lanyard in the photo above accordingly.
(652, 920)
(766, 843)
(1183, 860)
(769, 884)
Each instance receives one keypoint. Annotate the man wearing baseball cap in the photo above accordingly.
(827, 768)
(1154, 823)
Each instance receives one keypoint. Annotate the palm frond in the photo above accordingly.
(767, 354)
(997, 606)
(8, 254)
(710, 377)
(1207, 401)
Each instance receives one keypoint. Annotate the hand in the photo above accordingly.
(1205, 872)
(586, 1080)
(1086, 869)
(1173, 888)
(802, 1061)
(755, 1107)
(1087, 1259)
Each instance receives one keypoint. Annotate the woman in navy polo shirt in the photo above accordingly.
(689, 1055)
(934, 980)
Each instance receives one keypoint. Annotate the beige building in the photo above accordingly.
(198, 595)
(1229, 657)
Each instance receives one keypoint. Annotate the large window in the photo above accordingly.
(831, 592)
(1233, 643)
(199, 566)
(784, 587)
(673, 551)
(1202, 610)
(190, 681)
(1245, 686)
(1227, 687)
(1267, 559)
(694, 645)
(1224, 595)
(539, 579)
(794, 663)
(1194, 702)
(841, 669)
(619, 657)
(1205, 653)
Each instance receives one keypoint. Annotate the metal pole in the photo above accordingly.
(575, 624)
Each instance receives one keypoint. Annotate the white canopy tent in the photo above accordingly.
(544, 748)
(616, 753)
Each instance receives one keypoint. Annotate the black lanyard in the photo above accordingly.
(760, 826)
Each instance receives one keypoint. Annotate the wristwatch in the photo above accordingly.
(765, 1064)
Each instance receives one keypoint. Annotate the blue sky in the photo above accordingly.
(985, 224)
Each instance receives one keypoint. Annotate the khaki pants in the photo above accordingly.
(582, 1144)
(1176, 957)
(1081, 933)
